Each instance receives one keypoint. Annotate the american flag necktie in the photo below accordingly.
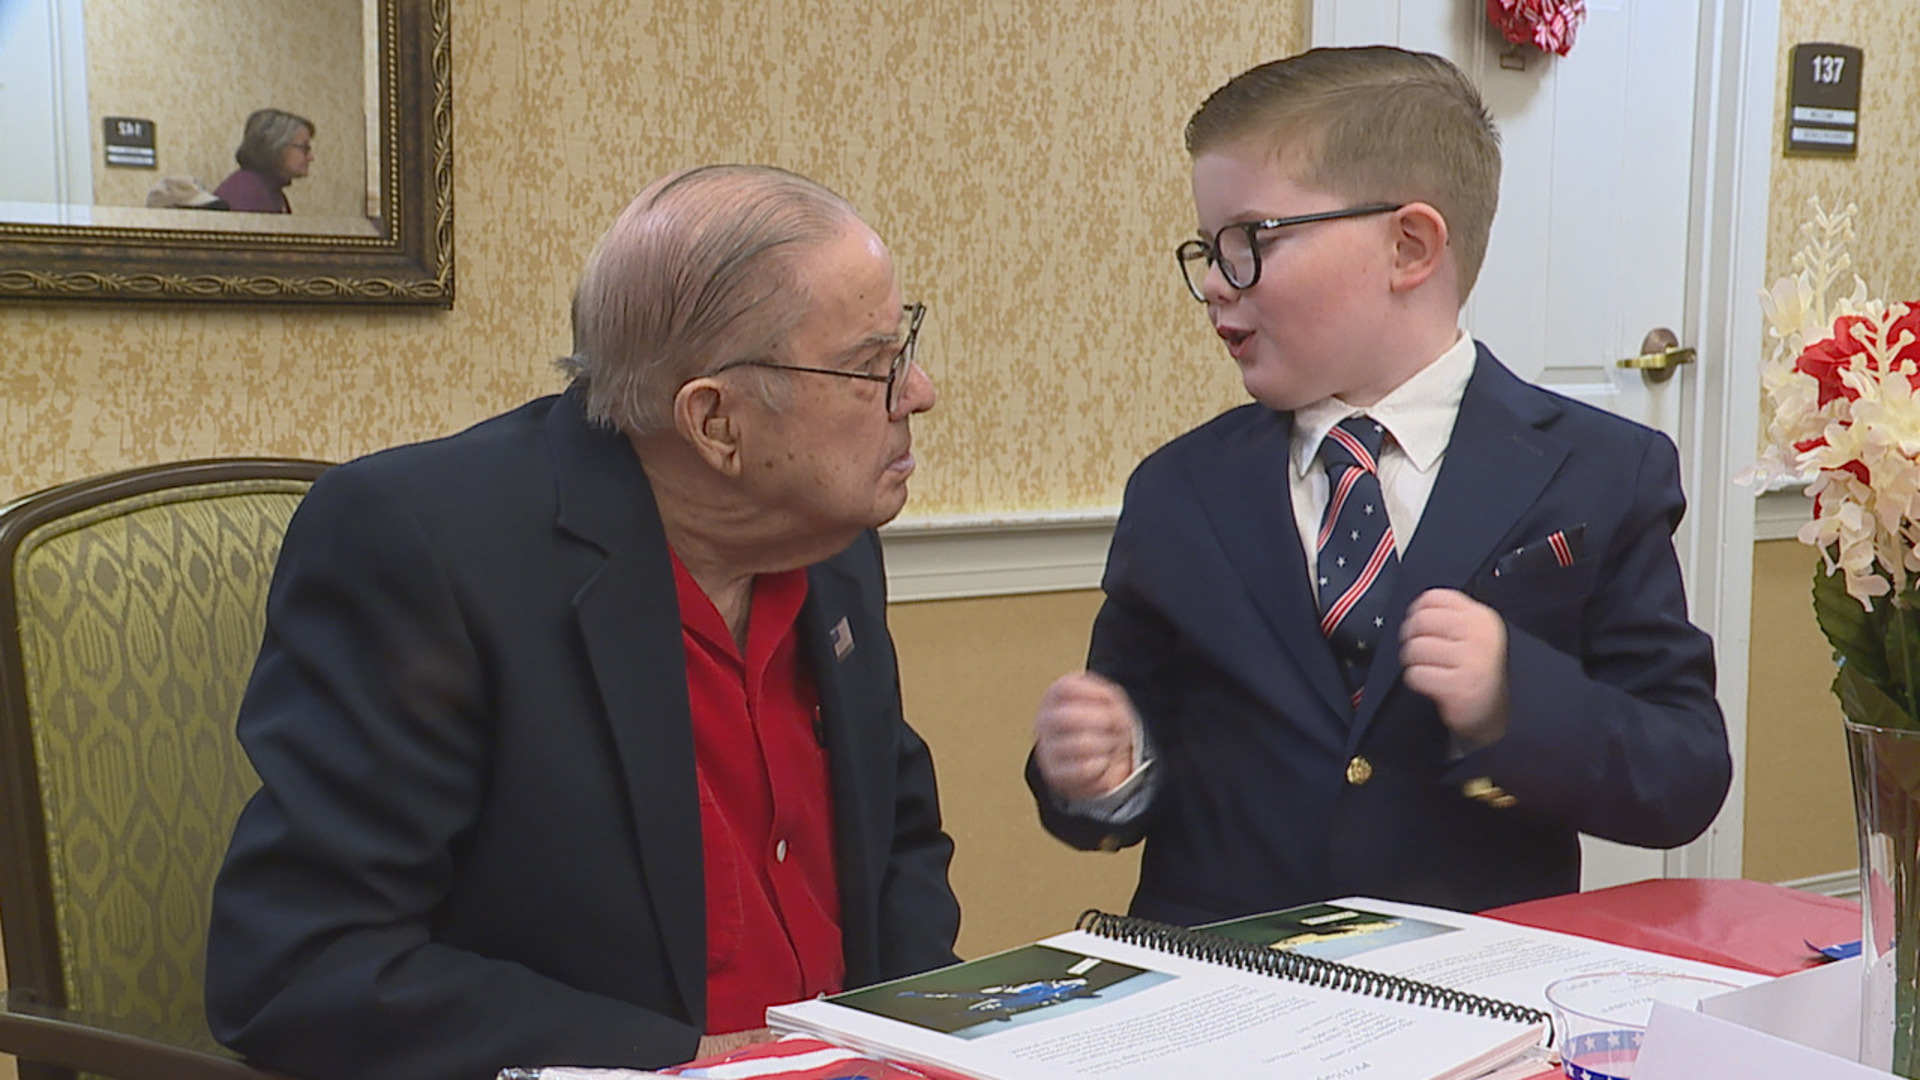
(1355, 560)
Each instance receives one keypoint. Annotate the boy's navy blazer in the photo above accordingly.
(477, 843)
(1270, 792)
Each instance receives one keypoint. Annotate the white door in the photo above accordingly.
(44, 148)
(1590, 248)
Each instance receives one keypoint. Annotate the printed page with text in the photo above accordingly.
(1082, 1005)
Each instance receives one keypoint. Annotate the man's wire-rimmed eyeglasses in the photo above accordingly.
(1236, 247)
(896, 372)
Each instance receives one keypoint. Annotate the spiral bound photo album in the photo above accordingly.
(1351, 988)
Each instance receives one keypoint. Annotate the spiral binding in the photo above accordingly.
(1286, 964)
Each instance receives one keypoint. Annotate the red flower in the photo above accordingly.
(1827, 358)
(1824, 360)
(1549, 24)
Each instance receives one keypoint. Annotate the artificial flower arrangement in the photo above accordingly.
(1548, 24)
(1842, 412)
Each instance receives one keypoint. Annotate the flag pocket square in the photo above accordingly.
(1558, 549)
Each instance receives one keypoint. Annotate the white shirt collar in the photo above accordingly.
(1419, 413)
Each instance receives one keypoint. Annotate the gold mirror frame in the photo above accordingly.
(409, 262)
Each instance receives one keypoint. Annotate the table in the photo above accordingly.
(1742, 924)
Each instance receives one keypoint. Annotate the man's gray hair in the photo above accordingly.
(698, 272)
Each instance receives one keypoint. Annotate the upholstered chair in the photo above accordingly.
(131, 606)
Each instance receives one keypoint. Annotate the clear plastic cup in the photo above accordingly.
(1600, 1018)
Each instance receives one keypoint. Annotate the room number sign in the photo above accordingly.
(1823, 100)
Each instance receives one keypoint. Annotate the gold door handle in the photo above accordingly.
(1666, 358)
(1660, 353)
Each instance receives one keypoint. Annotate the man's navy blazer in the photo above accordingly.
(1270, 792)
(477, 841)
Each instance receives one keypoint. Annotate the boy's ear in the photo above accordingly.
(702, 414)
(1420, 245)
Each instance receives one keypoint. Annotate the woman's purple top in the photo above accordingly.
(254, 192)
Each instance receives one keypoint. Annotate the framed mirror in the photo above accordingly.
(124, 117)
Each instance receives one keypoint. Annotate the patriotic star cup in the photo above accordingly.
(1600, 1018)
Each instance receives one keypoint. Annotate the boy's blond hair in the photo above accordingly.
(1377, 124)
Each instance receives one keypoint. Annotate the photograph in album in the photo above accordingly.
(1327, 931)
(1031, 983)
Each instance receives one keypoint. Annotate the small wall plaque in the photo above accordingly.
(1823, 100)
(130, 142)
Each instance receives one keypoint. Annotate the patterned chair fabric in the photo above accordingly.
(139, 614)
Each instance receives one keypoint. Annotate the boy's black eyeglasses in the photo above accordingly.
(1236, 248)
(895, 373)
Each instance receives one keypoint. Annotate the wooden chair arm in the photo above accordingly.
(39, 1033)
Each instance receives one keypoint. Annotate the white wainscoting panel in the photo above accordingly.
(1844, 884)
(954, 556)
(962, 555)
(1778, 515)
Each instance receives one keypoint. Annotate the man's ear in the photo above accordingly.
(702, 415)
(1419, 245)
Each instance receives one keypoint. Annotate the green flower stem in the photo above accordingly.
(1905, 651)
(1904, 833)
(1906, 960)
(1886, 774)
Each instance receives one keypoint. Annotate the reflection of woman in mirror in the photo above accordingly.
(276, 149)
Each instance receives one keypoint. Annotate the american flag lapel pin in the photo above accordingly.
(842, 637)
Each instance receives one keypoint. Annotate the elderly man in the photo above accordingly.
(579, 732)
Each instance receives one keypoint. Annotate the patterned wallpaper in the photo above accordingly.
(1799, 805)
(197, 68)
(1884, 179)
(1022, 157)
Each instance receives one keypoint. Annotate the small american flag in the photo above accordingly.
(800, 1058)
(842, 637)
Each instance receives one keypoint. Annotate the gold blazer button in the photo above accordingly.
(1359, 771)
(1486, 791)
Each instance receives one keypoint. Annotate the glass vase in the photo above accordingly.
(1886, 799)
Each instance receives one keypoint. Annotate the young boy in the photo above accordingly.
(1405, 625)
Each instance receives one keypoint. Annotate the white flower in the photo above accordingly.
(1861, 450)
